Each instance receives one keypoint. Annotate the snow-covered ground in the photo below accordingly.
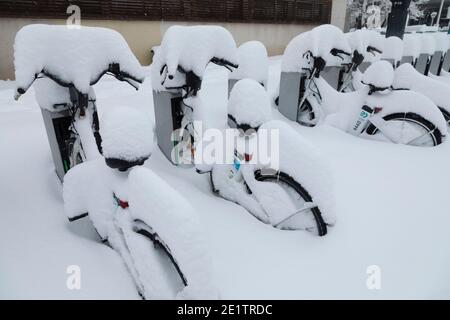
(391, 201)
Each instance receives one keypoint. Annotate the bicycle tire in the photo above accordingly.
(435, 134)
(322, 229)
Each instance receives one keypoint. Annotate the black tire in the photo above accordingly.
(446, 115)
(143, 229)
(288, 180)
(307, 108)
(414, 118)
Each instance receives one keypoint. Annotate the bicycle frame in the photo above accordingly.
(367, 114)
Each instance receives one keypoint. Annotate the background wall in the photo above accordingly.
(143, 35)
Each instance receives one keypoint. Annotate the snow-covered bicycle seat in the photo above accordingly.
(187, 50)
(78, 57)
(379, 76)
(249, 105)
(253, 62)
(127, 138)
(326, 42)
(367, 43)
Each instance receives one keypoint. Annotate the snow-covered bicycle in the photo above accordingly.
(64, 84)
(153, 227)
(366, 47)
(294, 195)
(179, 66)
(373, 111)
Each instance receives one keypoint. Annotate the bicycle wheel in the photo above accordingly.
(308, 219)
(75, 152)
(150, 262)
(306, 115)
(412, 129)
(446, 115)
(144, 229)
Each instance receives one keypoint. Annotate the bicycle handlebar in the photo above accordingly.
(193, 81)
(373, 49)
(113, 69)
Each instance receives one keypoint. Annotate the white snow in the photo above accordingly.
(192, 48)
(77, 56)
(393, 49)
(253, 62)
(391, 206)
(411, 45)
(441, 41)
(361, 39)
(249, 103)
(428, 43)
(305, 163)
(406, 77)
(170, 214)
(127, 134)
(380, 74)
(319, 41)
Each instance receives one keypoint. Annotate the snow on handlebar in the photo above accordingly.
(113, 69)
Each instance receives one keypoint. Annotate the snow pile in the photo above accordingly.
(253, 62)
(393, 49)
(50, 95)
(406, 77)
(380, 74)
(249, 103)
(427, 43)
(319, 41)
(411, 45)
(192, 48)
(86, 190)
(127, 134)
(77, 56)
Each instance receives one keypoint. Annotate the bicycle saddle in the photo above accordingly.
(124, 165)
(379, 76)
(249, 105)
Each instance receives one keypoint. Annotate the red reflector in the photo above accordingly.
(248, 157)
(123, 204)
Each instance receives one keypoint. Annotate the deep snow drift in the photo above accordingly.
(391, 208)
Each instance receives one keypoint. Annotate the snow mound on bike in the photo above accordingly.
(77, 56)
(253, 62)
(156, 203)
(427, 43)
(361, 39)
(406, 77)
(319, 41)
(380, 74)
(304, 162)
(411, 46)
(85, 190)
(193, 47)
(127, 134)
(393, 49)
(441, 41)
(249, 103)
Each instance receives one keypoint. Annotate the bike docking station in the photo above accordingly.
(292, 87)
(58, 120)
(168, 117)
(57, 127)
